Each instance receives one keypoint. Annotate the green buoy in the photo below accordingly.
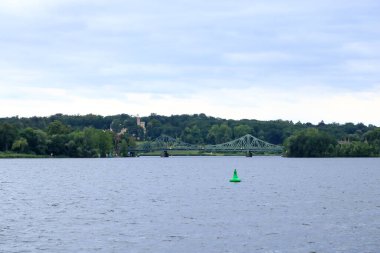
(235, 178)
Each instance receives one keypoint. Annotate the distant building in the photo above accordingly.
(123, 131)
(140, 123)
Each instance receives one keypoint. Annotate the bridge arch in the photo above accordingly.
(246, 143)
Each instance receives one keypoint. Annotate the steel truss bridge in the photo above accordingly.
(247, 143)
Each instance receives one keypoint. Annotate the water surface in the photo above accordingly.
(186, 204)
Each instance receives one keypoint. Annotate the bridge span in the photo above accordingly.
(246, 143)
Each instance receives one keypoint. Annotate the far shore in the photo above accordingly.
(5, 155)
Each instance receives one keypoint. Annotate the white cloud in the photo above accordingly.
(20, 6)
(27, 8)
(14, 76)
(305, 104)
(362, 48)
(258, 57)
(363, 66)
(241, 59)
(40, 9)
(139, 69)
(122, 23)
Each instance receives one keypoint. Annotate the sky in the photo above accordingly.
(294, 60)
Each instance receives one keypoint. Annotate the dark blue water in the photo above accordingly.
(187, 204)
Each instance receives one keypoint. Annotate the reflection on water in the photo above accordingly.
(187, 204)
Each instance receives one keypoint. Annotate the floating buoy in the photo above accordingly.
(235, 178)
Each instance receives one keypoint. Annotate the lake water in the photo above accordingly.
(187, 204)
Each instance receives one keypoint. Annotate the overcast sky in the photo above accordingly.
(281, 59)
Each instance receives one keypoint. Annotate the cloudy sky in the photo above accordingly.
(281, 59)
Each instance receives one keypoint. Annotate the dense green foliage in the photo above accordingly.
(310, 143)
(99, 136)
(314, 143)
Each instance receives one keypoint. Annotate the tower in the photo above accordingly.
(138, 120)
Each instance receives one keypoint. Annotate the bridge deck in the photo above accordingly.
(247, 143)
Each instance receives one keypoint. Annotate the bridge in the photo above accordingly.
(247, 143)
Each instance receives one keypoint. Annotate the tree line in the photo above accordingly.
(312, 142)
(100, 136)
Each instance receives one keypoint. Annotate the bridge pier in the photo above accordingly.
(165, 153)
(132, 154)
(248, 154)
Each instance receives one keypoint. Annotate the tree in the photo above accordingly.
(373, 138)
(192, 135)
(124, 148)
(242, 130)
(79, 136)
(153, 128)
(131, 142)
(8, 134)
(274, 136)
(219, 134)
(20, 145)
(75, 144)
(37, 140)
(309, 143)
(354, 149)
(57, 127)
(105, 142)
(90, 142)
(57, 145)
